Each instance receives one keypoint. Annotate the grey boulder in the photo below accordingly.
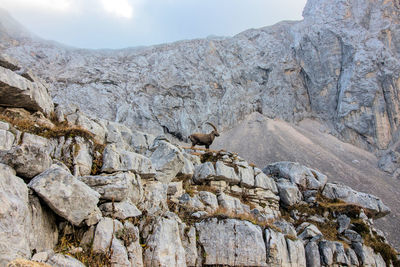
(65, 195)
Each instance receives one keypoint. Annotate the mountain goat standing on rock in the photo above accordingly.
(204, 139)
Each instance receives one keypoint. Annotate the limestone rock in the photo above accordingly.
(82, 157)
(27, 160)
(333, 253)
(167, 159)
(289, 193)
(155, 197)
(115, 160)
(313, 258)
(231, 242)
(203, 172)
(104, 233)
(164, 246)
(263, 181)
(122, 210)
(118, 186)
(65, 195)
(134, 249)
(209, 199)
(14, 214)
(226, 173)
(277, 250)
(342, 192)
(302, 176)
(43, 231)
(6, 139)
(246, 175)
(17, 91)
(232, 204)
(61, 260)
(119, 256)
(188, 236)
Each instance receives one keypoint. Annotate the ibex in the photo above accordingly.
(204, 139)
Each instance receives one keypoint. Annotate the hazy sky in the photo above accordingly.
(126, 23)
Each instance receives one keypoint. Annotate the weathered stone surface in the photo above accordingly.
(17, 91)
(134, 249)
(43, 231)
(333, 253)
(232, 204)
(188, 168)
(14, 211)
(203, 172)
(28, 160)
(119, 257)
(304, 177)
(122, 210)
(65, 195)
(226, 173)
(297, 256)
(367, 256)
(313, 258)
(119, 186)
(286, 227)
(277, 251)
(115, 160)
(104, 233)
(343, 222)
(82, 157)
(155, 197)
(167, 159)
(61, 260)
(188, 236)
(371, 203)
(307, 231)
(6, 139)
(263, 181)
(209, 199)
(164, 246)
(246, 175)
(231, 242)
(289, 193)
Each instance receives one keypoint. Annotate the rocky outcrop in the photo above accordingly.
(231, 242)
(21, 89)
(228, 212)
(370, 203)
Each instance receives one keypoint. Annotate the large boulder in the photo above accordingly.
(18, 91)
(106, 230)
(14, 217)
(302, 176)
(231, 242)
(371, 203)
(167, 159)
(115, 160)
(154, 197)
(164, 246)
(289, 192)
(117, 187)
(27, 159)
(43, 230)
(67, 196)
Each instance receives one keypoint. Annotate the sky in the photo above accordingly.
(129, 23)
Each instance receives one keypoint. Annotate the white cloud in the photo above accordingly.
(119, 8)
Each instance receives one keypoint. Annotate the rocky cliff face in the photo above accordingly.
(77, 191)
(340, 64)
